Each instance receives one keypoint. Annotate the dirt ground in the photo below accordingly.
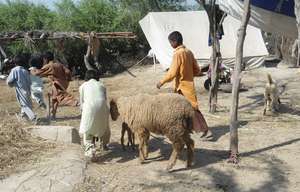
(268, 146)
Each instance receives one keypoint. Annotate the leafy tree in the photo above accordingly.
(84, 15)
(23, 15)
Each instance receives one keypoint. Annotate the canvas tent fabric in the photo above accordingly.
(274, 16)
(194, 26)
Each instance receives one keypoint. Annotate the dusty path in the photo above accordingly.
(269, 146)
(59, 172)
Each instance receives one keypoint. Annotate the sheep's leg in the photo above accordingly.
(141, 154)
(132, 141)
(130, 135)
(190, 149)
(145, 148)
(177, 148)
(122, 135)
(141, 144)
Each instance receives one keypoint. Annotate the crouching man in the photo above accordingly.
(95, 113)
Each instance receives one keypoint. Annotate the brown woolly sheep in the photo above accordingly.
(165, 114)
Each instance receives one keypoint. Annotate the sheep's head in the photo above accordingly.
(114, 112)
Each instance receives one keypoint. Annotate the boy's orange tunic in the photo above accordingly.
(183, 68)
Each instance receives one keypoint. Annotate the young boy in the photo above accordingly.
(95, 113)
(19, 78)
(59, 76)
(183, 69)
(36, 62)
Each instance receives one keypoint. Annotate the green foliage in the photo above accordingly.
(23, 15)
(84, 15)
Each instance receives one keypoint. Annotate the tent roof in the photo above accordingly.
(270, 16)
(194, 27)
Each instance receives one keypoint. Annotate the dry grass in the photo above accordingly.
(16, 145)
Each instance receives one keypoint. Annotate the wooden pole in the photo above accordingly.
(236, 84)
(87, 55)
(215, 59)
(48, 35)
(3, 52)
(297, 13)
(213, 92)
(49, 108)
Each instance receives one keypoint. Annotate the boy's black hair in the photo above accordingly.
(176, 36)
(48, 55)
(26, 57)
(91, 74)
(36, 61)
(19, 60)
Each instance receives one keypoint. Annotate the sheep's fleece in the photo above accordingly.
(155, 111)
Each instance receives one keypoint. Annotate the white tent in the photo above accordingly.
(194, 27)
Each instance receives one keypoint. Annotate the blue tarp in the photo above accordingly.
(274, 16)
(285, 7)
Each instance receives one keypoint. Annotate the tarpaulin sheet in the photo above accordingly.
(274, 16)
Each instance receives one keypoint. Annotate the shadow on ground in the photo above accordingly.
(221, 130)
(287, 109)
(258, 101)
(224, 180)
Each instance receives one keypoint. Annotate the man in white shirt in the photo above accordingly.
(95, 113)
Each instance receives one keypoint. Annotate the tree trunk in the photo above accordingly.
(236, 84)
(297, 13)
(213, 92)
(288, 51)
(215, 59)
